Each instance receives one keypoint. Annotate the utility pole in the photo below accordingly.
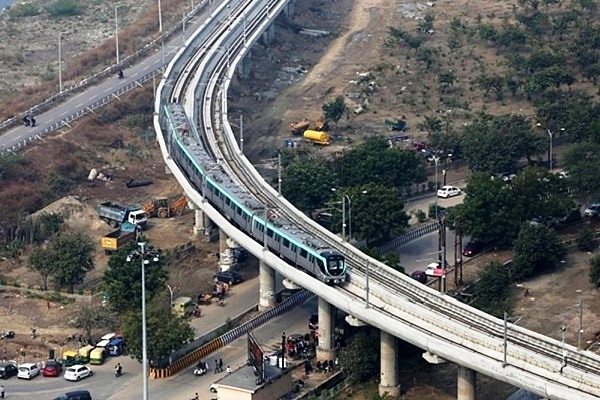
(279, 173)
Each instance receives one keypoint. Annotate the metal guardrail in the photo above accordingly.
(408, 236)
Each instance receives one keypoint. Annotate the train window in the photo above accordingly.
(294, 248)
(238, 210)
(303, 253)
(270, 233)
(277, 238)
(227, 201)
(286, 242)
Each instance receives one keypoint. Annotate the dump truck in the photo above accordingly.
(116, 239)
(321, 124)
(115, 214)
(298, 128)
(160, 207)
(317, 137)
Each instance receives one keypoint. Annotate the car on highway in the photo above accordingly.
(472, 248)
(7, 370)
(28, 371)
(52, 368)
(435, 269)
(228, 277)
(593, 210)
(448, 191)
(78, 372)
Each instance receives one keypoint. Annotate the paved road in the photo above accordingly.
(110, 86)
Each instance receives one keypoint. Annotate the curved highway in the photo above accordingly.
(191, 107)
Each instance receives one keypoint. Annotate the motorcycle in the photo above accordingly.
(118, 372)
(201, 369)
(120, 74)
(7, 335)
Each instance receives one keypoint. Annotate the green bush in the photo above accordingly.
(585, 240)
(64, 8)
(421, 217)
(23, 10)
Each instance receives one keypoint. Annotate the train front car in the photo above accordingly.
(335, 267)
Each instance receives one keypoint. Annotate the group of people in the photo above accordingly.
(301, 347)
(29, 120)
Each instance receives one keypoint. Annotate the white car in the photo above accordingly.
(77, 372)
(28, 371)
(448, 191)
(435, 269)
(593, 210)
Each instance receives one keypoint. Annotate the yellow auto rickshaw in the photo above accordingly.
(97, 356)
(70, 357)
(84, 353)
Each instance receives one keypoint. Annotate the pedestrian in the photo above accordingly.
(1, 391)
(216, 366)
(221, 364)
(197, 397)
(228, 370)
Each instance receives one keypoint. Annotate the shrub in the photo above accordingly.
(64, 8)
(585, 240)
(23, 10)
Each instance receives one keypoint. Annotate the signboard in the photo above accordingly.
(256, 357)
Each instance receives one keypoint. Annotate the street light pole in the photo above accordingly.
(60, 88)
(580, 330)
(117, 31)
(550, 135)
(144, 255)
(171, 291)
(241, 132)
(349, 216)
(436, 159)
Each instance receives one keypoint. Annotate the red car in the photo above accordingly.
(52, 368)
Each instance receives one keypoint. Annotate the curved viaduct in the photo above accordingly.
(191, 106)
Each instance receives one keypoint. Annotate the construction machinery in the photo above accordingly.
(160, 207)
(321, 124)
(298, 128)
(316, 137)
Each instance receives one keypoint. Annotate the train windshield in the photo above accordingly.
(336, 265)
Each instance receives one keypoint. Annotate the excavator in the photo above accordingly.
(160, 207)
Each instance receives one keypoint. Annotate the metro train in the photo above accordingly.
(295, 246)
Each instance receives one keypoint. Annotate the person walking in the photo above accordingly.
(216, 366)
(228, 370)
(1, 391)
(220, 364)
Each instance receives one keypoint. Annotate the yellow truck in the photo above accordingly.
(316, 137)
(114, 240)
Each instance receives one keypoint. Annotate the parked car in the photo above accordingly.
(551, 222)
(7, 370)
(419, 276)
(52, 368)
(593, 210)
(78, 372)
(75, 395)
(448, 191)
(472, 248)
(435, 269)
(28, 371)
(228, 277)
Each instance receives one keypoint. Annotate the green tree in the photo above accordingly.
(165, 331)
(70, 256)
(595, 270)
(335, 110)
(377, 214)
(122, 281)
(495, 144)
(446, 79)
(582, 160)
(492, 292)
(537, 250)
(585, 239)
(41, 261)
(307, 184)
(361, 365)
(92, 316)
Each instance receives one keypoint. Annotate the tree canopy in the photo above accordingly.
(492, 291)
(537, 249)
(122, 281)
(165, 331)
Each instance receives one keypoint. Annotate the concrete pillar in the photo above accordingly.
(268, 35)
(222, 241)
(288, 10)
(243, 68)
(325, 349)
(266, 277)
(199, 226)
(467, 384)
(388, 375)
